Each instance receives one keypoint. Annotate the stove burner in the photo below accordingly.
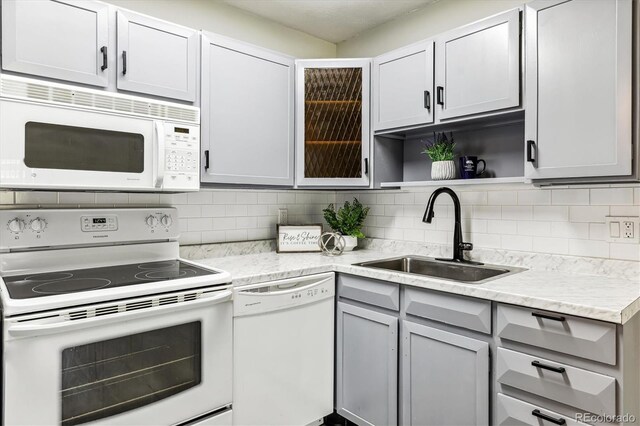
(163, 274)
(157, 265)
(71, 285)
(53, 276)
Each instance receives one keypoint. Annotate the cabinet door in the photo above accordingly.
(332, 122)
(478, 67)
(247, 113)
(403, 87)
(366, 366)
(578, 111)
(445, 378)
(65, 40)
(156, 57)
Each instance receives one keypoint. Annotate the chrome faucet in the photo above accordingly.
(459, 247)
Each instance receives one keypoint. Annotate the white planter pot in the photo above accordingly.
(443, 170)
(350, 242)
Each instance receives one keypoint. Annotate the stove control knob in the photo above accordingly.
(38, 224)
(16, 225)
(166, 220)
(152, 221)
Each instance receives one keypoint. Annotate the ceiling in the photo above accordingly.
(331, 20)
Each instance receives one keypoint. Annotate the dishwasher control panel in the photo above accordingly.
(283, 294)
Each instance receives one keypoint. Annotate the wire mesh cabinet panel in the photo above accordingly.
(332, 122)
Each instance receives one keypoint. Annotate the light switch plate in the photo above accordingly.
(623, 229)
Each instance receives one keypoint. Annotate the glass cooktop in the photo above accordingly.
(63, 282)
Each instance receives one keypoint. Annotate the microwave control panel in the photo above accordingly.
(182, 155)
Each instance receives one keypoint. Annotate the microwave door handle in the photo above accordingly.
(159, 153)
(27, 330)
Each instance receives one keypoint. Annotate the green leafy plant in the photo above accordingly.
(441, 148)
(348, 219)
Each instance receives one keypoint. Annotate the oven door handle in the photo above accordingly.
(32, 330)
(159, 154)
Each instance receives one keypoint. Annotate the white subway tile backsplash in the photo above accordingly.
(214, 210)
(224, 197)
(115, 198)
(405, 198)
(245, 197)
(267, 198)
(570, 230)
(386, 199)
(611, 196)
(625, 251)
(551, 213)
(224, 223)
(624, 211)
(598, 231)
(534, 198)
(570, 197)
(588, 248)
(189, 210)
(200, 197)
(210, 237)
(517, 212)
(144, 199)
(534, 228)
(237, 235)
(588, 213)
(502, 227)
(502, 198)
(486, 212)
(550, 245)
(517, 242)
(473, 198)
(199, 224)
(77, 198)
(238, 210)
(7, 197)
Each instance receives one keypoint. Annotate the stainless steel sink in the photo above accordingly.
(426, 266)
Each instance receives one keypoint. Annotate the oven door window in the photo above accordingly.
(52, 146)
(110, 377)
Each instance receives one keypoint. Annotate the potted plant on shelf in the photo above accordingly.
(440, 151)
(347, 221)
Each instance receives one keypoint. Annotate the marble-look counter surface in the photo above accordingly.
(606, 298)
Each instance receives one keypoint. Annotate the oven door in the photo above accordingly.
(155, 365)
(56, 147)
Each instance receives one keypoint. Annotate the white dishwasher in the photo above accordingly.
(283, 341)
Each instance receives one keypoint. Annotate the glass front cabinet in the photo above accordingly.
(332, 122)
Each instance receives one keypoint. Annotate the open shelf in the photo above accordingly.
(455, 182)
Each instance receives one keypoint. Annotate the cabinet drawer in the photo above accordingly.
(366, 290)
(577, 336)
(582, 389)
(512, 411)
(461, 311)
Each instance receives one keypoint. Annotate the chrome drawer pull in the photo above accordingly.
(538, 364)
(543, 416)
(549, 317)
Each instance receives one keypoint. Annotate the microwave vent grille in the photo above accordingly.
(27, 89)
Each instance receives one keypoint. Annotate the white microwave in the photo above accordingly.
(61, 137)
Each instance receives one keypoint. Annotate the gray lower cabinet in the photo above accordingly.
(445, 378)
(247, 114)
(65, 40)
(578, 119)
(366, 365)
(157, 57)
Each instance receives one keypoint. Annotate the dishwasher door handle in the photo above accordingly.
(287, 291)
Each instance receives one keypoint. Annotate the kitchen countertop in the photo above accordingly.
(592, 296)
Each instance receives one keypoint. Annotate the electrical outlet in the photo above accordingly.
(283, 217)
(623, 229)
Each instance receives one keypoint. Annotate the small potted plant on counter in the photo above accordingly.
(347, 221)
(440, 151)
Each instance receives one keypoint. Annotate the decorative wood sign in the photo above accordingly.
(298, 238)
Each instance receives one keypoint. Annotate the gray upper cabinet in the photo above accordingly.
(403, 87)
(366, 366)
(478, 67)
(579, 89)
(157, 57)
(247, 114)
(445, 378)
(65, 40)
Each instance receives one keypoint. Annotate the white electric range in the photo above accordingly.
(103, 323)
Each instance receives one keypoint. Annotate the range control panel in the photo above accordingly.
(182, 155)
(20, 229)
